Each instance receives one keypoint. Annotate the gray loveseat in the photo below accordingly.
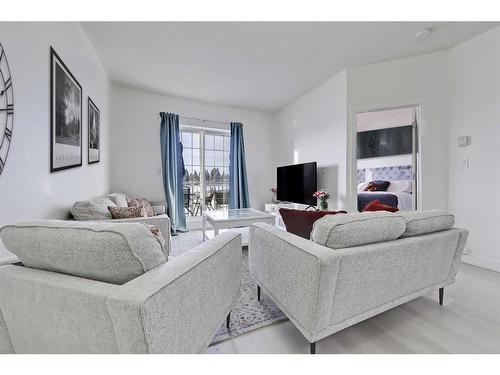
(355, 266)
(87, 287)
(96, 209)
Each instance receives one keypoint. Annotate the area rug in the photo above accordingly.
(248, 314)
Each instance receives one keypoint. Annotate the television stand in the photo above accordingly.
(274, 208)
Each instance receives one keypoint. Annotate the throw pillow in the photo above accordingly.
(94, 209)
(377, 205)
(127, 212)
(377, 185)
(120, 199)
(155, 231)
(300, 222)
(141, 202)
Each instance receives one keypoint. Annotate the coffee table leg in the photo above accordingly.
(203, 220)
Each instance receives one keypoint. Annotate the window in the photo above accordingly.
(206, 169)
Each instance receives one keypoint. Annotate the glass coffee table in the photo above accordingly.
(238, 219)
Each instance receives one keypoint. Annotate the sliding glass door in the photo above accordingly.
(206, 170)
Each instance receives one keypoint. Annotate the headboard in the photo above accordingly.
(396, 173)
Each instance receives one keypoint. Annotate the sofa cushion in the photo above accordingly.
(120, 199)
(300, 222)
(422, 222)
(110, 252)
(355, 229)
(94, 209)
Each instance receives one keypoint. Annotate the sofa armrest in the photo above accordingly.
(178, 306)
(298, 274)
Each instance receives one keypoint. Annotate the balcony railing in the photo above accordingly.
(216, 197)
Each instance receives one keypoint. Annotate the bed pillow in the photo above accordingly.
(300, 222)
(377, 205)
(377, 185)
(400, 186)
(362, 186)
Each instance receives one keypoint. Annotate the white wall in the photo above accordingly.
(27, 189)
(314, 128)
(419, 80)
(474, 92)
(135, 141)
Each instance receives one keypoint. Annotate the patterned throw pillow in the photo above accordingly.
(155, 231)
(127, 212)
(141, 202)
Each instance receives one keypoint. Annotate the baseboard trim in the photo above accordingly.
(481, 262)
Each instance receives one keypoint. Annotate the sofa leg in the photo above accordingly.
(228, 320)
(258, 293)
(312, 346)
(441, 296)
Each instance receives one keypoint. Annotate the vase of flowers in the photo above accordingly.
(322, 196)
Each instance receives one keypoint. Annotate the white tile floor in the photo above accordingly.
(469, 322)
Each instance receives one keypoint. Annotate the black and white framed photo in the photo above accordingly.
(65, 116)
(94, 127)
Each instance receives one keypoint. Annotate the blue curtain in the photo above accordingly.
(238, 185)
(172, 166)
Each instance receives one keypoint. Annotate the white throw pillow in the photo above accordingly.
(94, 209)
(400, 186)
(362, 186)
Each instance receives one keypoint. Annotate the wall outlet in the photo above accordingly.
(465, 163)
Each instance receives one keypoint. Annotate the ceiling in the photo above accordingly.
(256, 65)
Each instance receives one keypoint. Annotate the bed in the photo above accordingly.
(399, 193)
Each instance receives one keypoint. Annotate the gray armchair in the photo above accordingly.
(109, 288)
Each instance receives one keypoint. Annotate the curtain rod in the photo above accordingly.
(202, 120)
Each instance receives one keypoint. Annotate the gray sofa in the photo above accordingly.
(355, 266)
(96, 210)
(87, 287)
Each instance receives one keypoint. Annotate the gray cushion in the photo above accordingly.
(120, 199)
(94, 209)
(422, 222)
(355, 229)
(110, 252)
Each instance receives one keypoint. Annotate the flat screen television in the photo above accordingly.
(297, 183)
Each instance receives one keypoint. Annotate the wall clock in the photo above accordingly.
(6, 108)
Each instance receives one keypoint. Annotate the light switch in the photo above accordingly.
(465, 163)
(464, 141)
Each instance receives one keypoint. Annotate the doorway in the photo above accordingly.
(386, 157)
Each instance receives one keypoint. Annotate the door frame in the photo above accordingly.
(352, 160)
